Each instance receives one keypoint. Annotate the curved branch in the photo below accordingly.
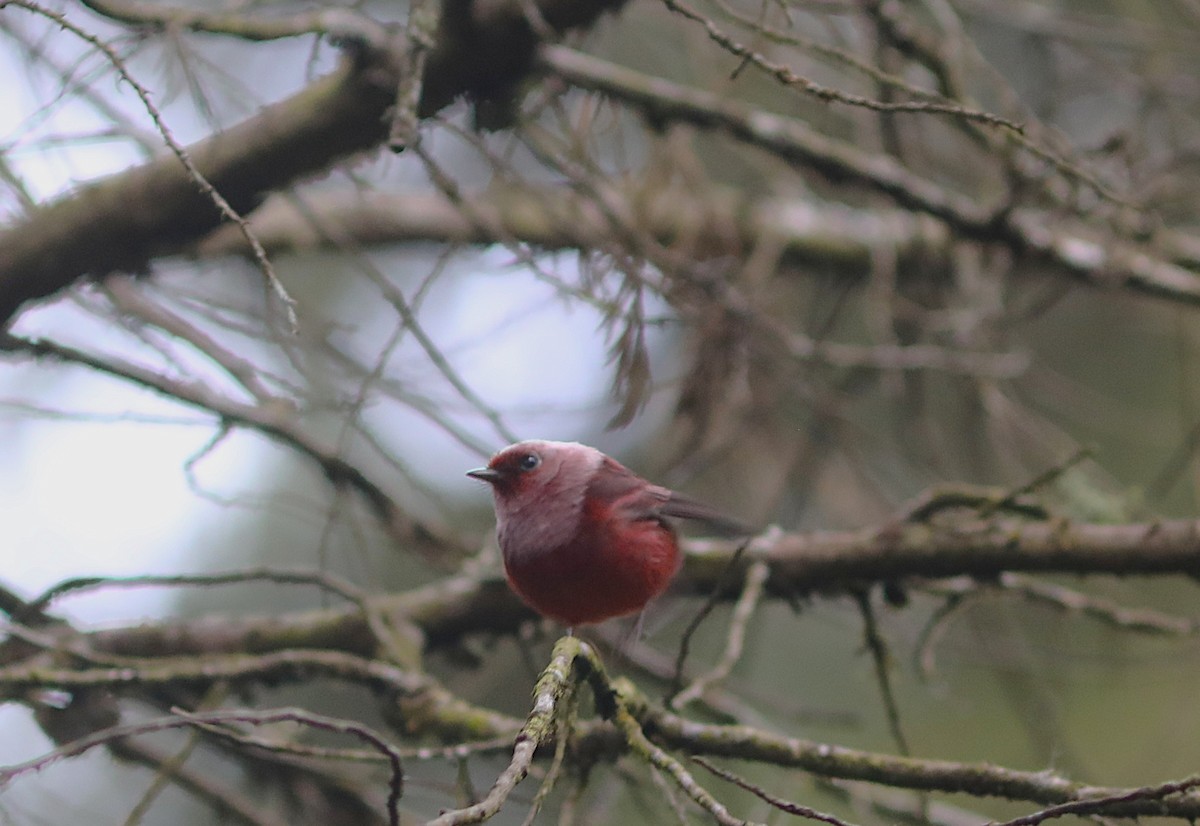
(560, 218)
(800, 563)
(1066, 245)
(984, 549)
(124, 221)
(825, 760)
(274, 419)
(424, 706)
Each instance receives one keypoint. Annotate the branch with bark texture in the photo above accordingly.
(645, 729)
(797, 564)
(275, 419)
(124, 221)
(555, 218)
(1066, 244)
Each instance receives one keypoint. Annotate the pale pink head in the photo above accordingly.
(539, 488)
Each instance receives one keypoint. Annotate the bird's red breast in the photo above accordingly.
(621, 555)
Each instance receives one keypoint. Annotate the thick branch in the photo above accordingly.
(1064, 244)
(125, 220)
(824, 562)
(836, 560)
(720, 223)
(724, 220)
(424, 705)
(822, 759)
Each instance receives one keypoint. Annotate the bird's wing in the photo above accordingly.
(618, 487)
(637, 498)
(685, 507)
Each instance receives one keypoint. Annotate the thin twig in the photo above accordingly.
(958, 592)
(184, 719)
(279, 425)
(933, 630)
(714, 597)
(878, 649)
(423, 19)
(1099, 804)
(776, 802)
(128, 298)
(180, 151)
(786, 76)
(1037, 482)
(631, 730)
(743, 610)
(318, 721)
(220, 795)
(374, 617)
(337, 22)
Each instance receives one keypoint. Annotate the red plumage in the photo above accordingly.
(584, 539)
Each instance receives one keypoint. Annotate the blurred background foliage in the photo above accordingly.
(825, 284)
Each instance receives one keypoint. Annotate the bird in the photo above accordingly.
(584, 539)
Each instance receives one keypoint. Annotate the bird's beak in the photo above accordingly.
(485, 474)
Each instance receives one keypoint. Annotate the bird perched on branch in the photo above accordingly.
(584, 539)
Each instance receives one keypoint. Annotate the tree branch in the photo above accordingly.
(822, 562)
(1062, 243)
(124, 221)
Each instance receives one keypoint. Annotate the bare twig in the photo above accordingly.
(270, 421)
(208, 720)
(959, 592)
(1039, 481)
(340, 22)
(1072, 249)
(375, 619)
(1103, 802)
(219, 794)
(631, 730)
(180, 152)
(878, 649)
(376, 741)
(129, 299)
(776, 802)
(743, 610)
(423, 17)
(786, 76)
(555, 686)
(934, 628)
(714, 597)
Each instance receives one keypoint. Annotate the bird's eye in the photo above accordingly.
(529, 461)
